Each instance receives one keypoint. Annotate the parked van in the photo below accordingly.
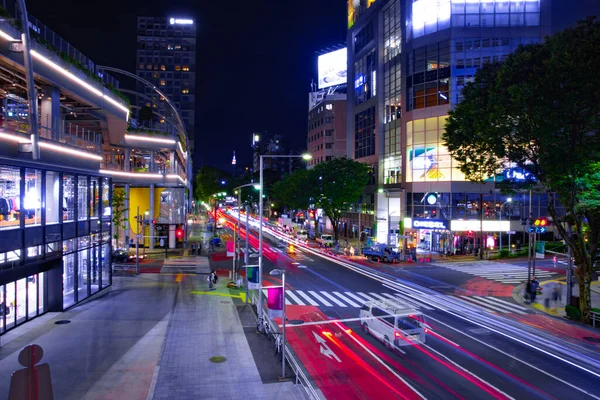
(302, 235)
(325, 240)
(395, 323)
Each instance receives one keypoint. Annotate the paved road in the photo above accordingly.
(479, 346)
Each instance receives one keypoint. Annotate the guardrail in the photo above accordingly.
(290, 356)
(595, 316)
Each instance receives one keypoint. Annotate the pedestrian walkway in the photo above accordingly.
(496, 305)
(499, 272)
(146, 338)
(323, 298)
(186, 265)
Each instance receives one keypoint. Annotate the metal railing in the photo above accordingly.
(57, 130)
(46, 37)
(595, 315)
(290, 356)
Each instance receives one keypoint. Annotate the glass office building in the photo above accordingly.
(55, 239)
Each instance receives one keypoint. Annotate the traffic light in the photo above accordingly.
(538, 225)
(311, 214)
(179, 233)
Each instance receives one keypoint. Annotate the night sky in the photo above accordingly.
(255, 59)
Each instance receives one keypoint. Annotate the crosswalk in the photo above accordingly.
(186, 265)
(503, 273)
(495, 305)
(322, 298)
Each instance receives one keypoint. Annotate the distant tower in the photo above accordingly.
(233, 163)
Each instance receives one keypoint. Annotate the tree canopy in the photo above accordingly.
(208, 182)
(539, 110)
(332, 186)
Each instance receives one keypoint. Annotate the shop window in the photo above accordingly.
(82, 198)
(107, 210)
(95, 266)
(32, 296)
(52, 203)
(33, 252)
(53, 248)
(83, 273)
(40, 286)
(11, 303)
(68, 280)
(68, 198)
(21, 301)
(9, 197)
(105, 266)
(95, 200)
(33, 197)
(4, 308)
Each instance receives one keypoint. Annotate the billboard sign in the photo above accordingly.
(333, 68)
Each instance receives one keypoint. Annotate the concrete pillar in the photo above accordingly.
(152, 155)
(127, 163)
(50, 113)
(172, 238)
(172, 163)
(151, 215)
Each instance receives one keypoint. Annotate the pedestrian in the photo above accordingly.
(215, 279)
(557, 295)
(345, 242)
(534, 287)
(211, 283)
(200, 248)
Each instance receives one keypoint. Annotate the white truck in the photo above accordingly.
(325, 240)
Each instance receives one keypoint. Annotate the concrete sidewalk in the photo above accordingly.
(150, 337)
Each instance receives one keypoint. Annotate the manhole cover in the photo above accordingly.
(592, 339)
(295, 322)
(218, 359)
(63, 322)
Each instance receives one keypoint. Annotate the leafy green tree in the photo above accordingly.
(335, 185)
(538, 110)
(145, 114)
(292, 191)
(118, 212)
(208, 182)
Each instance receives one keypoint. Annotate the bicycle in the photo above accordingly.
(263, 326)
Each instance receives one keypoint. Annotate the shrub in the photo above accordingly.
(573, 312)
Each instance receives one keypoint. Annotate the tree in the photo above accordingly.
(335, 185)
(293, 191)
(118, 212)
(538, 111)
(208, 182)
(145, 114)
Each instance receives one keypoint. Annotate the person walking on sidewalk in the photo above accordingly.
(557, 295)
(534, 287)
(212, 280)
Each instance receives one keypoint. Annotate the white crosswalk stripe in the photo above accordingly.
(503, 273)
(306, 297)
(494, 304)
(342, 299)
(404, 299)
(322, 300)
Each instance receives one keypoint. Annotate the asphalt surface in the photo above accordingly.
(472, 351)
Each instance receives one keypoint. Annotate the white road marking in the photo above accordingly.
(322, 300)
(355, 297)
(347, 300)
(295, 298)
(500, 305)
(307, 298)
(336, 301)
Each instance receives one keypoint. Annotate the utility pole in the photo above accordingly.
(137, 243)
(529, 241)
(481, 225)
(569, 266)
(246, 257)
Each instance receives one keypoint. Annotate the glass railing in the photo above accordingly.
(57, 131)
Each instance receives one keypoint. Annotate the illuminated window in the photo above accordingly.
(162, 98)
(162, 120)
(185, 91)
(155, 75)
(170, 47)
(141, 66)
(329, 106)
(185, 68)
(163, 68)
(149, 66)
(162, 83)
(177, 68)
(177, 47)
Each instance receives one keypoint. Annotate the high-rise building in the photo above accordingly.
(326, 138)
(408, 61)
(166, 57)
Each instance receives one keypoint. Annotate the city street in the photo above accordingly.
(477, 346)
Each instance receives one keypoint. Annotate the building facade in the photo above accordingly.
(55, 203)
(326, 138)
(407, 62)
(166, 57)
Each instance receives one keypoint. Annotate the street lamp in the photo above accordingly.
(281, 272)
(508, 201)
(260, 225)
(236, 232)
